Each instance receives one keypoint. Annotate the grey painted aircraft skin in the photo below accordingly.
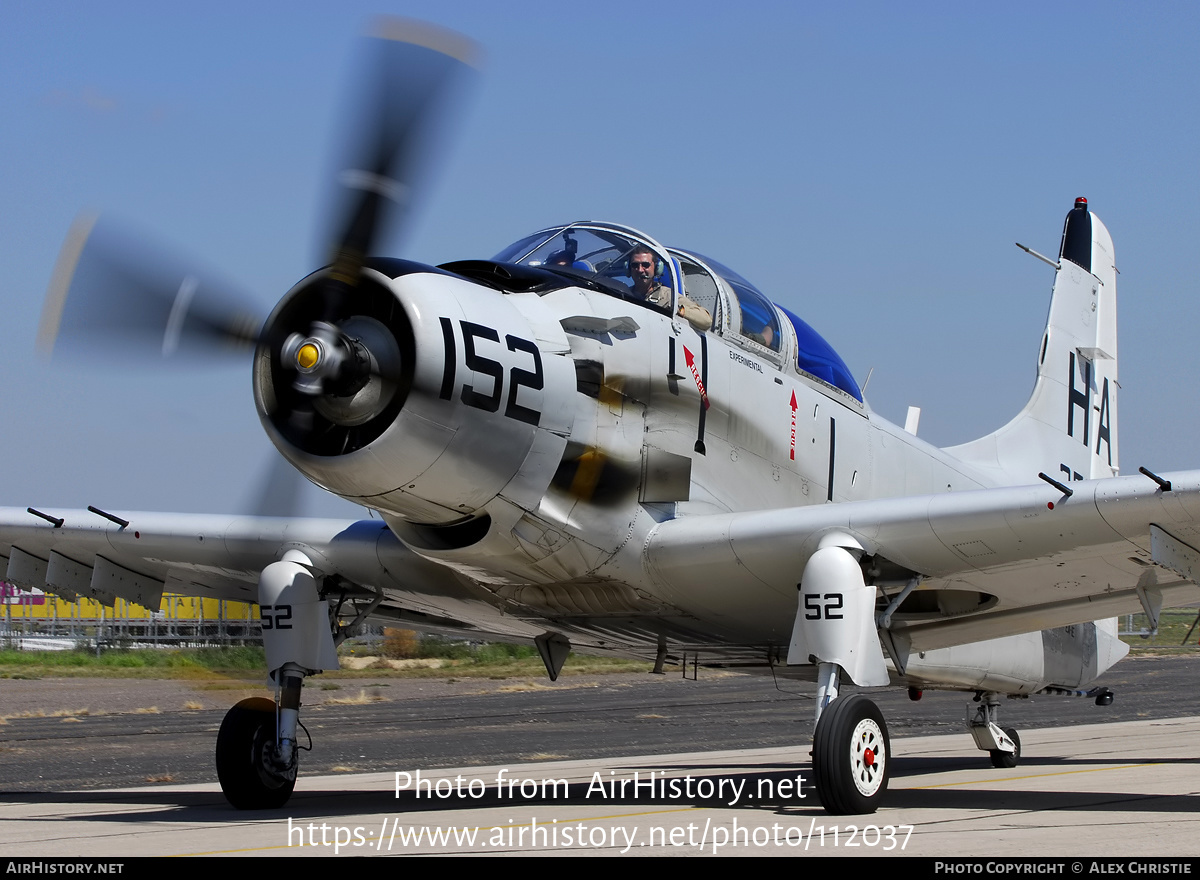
(597, 442)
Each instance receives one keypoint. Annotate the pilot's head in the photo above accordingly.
(641, 269)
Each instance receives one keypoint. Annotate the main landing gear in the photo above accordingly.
(851, 756)
(835, 629)
(257, 750)
(251, 772)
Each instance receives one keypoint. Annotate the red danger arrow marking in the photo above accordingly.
(691, 362)
(793, 405)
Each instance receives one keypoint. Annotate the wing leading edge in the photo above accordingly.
(220, 556)
(1001, 561)
(92, 555)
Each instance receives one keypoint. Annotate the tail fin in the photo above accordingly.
(1068, 429)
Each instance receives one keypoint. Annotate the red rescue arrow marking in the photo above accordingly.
(793, 404)
(691, 362)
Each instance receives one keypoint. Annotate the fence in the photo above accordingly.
(32, 619)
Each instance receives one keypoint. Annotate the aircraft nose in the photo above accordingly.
(424, 402)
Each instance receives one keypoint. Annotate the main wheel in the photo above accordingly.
(851, 756)
(244, 746)
(1002, 758)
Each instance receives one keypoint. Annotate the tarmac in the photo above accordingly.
(1088, 792)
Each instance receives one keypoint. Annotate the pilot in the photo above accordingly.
(765, 336)
(646, 286)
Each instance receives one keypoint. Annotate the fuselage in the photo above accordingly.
(646, 444)
(546, 423)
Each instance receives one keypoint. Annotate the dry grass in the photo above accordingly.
(363, 699)
(521, 686)
(400, 644)
(418, 663)
(374, 664)
(229, 679)
(458, 670)
(42, 713)
(193, 704)
(560, 685)
(77, 714)
(164, 778)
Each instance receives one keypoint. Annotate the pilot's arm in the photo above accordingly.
(694, 313)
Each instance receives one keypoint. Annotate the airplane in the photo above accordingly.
(558, 457)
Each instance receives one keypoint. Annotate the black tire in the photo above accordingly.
(247, 731)
(1003, 759)
(852, 756)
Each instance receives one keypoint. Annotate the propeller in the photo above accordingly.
(397, 116)
(114, 290)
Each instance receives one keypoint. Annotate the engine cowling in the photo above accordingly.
(440, 397)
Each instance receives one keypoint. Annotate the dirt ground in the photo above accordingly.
(114, 696)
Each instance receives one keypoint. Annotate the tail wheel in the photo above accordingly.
(244, 747)
(1001, 758)
(851, 756)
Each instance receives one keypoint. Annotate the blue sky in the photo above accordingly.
(867, 165)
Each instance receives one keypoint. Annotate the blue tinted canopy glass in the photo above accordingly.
(601, 249)
(816, 357)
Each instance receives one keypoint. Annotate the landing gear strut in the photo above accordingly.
(1002, 744)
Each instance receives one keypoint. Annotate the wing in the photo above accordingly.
(139, 556)
(992, 562)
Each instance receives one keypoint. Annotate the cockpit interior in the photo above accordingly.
(599, 255)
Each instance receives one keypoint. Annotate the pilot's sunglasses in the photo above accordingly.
(641, 265)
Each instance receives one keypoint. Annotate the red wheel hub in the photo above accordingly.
(869, 758)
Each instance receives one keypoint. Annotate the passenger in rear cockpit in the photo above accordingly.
(643, 269)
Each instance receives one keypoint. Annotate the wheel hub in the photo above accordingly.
(867, 757)
(270, 771)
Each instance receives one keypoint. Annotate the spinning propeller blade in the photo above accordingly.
(114, 292)
(411, 71)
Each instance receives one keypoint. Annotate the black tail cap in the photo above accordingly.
(1077, 236)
